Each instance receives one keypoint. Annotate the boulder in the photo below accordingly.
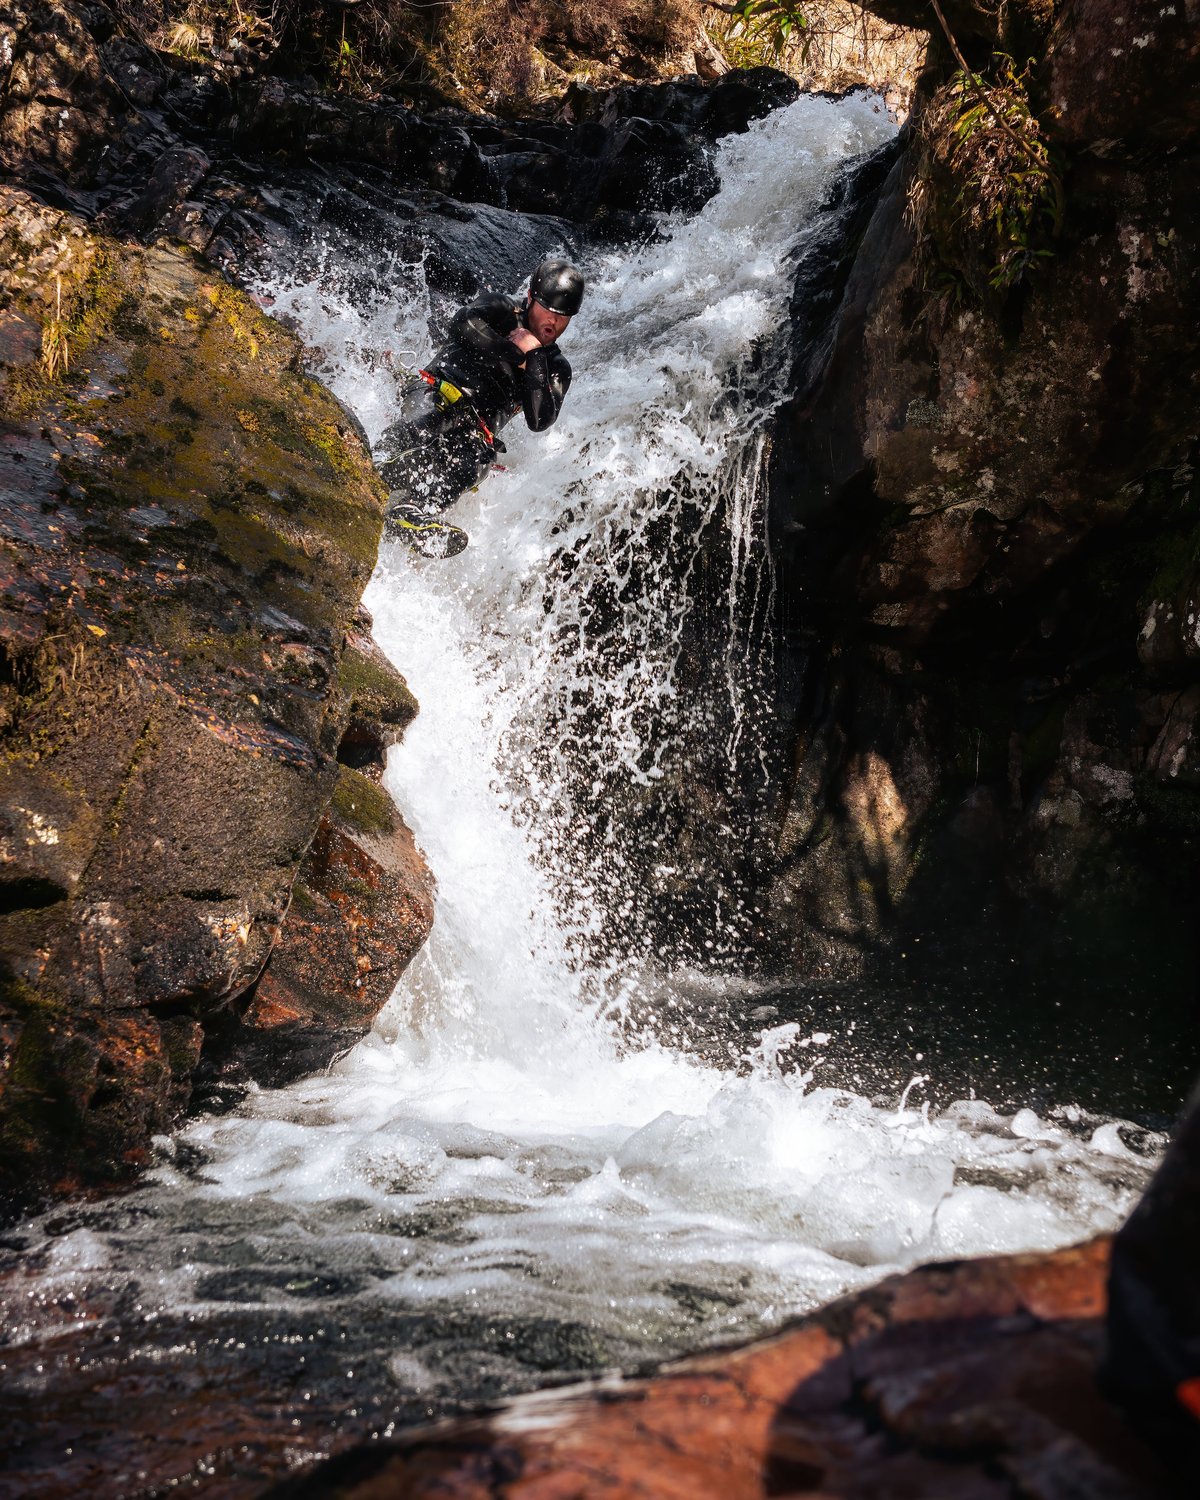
(187, 521)
(985, 509)
(361, 907)
(972, 1379)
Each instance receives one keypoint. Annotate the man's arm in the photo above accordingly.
(484, 326)
(547, 379)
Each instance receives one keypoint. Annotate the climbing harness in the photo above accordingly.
(446, 395)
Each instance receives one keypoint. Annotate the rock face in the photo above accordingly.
(975, 1379)
(362, 904)
(96, 120)
(1153, 1363)
(188, 520)
(987, 515)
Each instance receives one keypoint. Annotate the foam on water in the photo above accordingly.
(498, 1143)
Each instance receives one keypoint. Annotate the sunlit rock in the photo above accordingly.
(188, 522)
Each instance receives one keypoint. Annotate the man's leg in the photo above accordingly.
(434, 458)
(423, 480)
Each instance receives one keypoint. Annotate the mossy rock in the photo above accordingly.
(186, 528)
(363, 804)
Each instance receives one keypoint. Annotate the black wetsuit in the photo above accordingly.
(440, 448)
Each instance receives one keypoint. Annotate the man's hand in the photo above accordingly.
(524, 340)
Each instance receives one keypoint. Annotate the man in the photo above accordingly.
(500, 358)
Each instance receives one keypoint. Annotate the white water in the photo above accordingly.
(493, 1145)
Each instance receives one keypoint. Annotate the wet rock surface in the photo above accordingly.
(986, 517)
(975, 1379)
(362, 905)
(972, 1378)
(188, 521)
(99, 122)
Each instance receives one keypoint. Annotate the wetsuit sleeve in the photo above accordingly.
(484, 327)
(547, 380)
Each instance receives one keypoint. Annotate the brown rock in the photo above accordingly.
(362, 905)
(186, 523)
(1123, 74)
(63, 108)
(985, 509)
(975, 1381)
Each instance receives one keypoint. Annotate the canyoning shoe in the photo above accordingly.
(424, 533)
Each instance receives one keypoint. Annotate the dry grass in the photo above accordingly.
(514, 55)
(56, 344)
(185, 39)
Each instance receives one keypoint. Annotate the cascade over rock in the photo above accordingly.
(144, 902)
(106, 1021)
(196, 723)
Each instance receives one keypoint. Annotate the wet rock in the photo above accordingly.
(143, 142)
(173, 178)
(738, 96)
(364, 888)
(379, 702)
(361, 907)
(973, 1379)
(1153, 1363)
(186, 523)
(986, 512)
(654, 165)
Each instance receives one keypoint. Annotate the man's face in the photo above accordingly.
(546, 326)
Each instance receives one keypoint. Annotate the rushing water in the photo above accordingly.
(521, 1174)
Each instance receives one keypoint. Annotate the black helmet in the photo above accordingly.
(556, 284)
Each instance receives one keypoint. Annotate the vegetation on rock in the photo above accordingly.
(986, 199)
(514, 56)
(187, 524)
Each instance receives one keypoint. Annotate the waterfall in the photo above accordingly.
(522, 1144)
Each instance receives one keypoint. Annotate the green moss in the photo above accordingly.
(23, 392)
(375, 691)
(25, 999)
(303, 902)
(363, 803)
